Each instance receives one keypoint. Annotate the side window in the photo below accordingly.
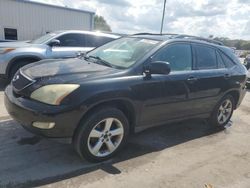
(179, 56)
(96, 41)
(72, 40)
(229, 63)
(205, 57)
(103, 40)
(221, 64)
(90, 41)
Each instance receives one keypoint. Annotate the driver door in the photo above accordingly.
(70, 45)
(173, 100)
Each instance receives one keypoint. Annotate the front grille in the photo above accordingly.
(20, 81)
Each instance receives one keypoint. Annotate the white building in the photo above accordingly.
(25, 20)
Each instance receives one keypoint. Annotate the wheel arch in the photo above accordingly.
(11, 64)
(235, 94)
(124, 105)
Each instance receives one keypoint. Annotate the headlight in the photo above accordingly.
(6, 50)
(53, 94)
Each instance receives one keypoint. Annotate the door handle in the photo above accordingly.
(227, 76)
(192, 79)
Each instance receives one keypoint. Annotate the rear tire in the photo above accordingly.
(222, 112)
(101, 135)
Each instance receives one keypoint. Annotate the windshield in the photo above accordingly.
(124, 52)
(43, 38)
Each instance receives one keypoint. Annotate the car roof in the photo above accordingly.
(177, 37)
(188, 38)
(97, 33)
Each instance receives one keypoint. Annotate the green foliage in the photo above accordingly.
(237, 43)
(101, 24)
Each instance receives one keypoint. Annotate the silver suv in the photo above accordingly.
(58, 44)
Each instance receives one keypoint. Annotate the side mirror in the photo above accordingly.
(81, 54)
(157, 67)
(54, 42)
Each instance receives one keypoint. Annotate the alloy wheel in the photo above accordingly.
(105, 137)
(225, 111)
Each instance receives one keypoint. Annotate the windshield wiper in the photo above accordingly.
(99, 60)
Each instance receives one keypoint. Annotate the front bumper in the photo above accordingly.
(26, 111)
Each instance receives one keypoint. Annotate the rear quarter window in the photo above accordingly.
(228, 62)
(230, 53)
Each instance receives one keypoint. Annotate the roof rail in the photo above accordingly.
(154, 34)
(200, 38)
(182, 36)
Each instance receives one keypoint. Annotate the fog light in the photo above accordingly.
(43, 125)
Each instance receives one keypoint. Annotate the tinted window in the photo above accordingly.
(179, 56)
(227, 61)
(205, 57)
(72, 40)
(96, 41)
(220, 61)
(230, 53)
(10, 34)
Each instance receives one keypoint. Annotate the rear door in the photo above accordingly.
(208, 80)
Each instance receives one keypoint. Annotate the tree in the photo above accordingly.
(101, 24)
(237, 43)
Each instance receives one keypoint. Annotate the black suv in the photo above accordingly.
(125, 86)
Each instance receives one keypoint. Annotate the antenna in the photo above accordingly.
(163, 15)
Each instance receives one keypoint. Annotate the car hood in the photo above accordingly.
(66, 69)
(15, 44)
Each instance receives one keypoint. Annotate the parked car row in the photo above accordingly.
(122, 87)
(58, 44)
(247, 62)
(248, 80)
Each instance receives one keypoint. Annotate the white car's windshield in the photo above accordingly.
(124, 52)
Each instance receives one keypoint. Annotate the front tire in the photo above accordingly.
(101, 135)
(17, 65)
(223, 112)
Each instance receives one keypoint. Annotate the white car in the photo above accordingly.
(58, 44)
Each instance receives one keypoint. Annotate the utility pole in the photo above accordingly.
(163, 15)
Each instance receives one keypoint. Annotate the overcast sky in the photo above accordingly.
(225, 18)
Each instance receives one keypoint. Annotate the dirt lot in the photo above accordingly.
(188, 154)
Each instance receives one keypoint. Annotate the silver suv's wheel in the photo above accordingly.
(223, 111)
(102, 134)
